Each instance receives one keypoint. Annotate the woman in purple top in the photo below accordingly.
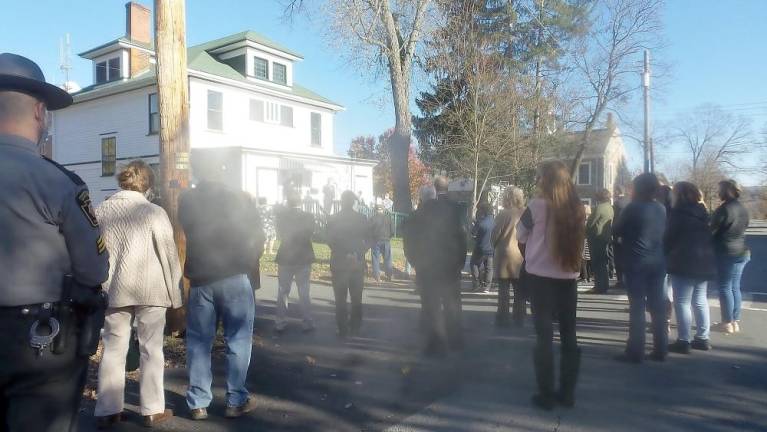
(551, 234)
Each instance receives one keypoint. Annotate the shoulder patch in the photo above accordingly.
(72, 176)
(84, 202)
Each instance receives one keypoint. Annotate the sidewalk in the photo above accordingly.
(380, 382)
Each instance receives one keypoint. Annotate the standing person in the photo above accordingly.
(328, 196)
(144, 281)
(387, 202)
(382, 233)
(437, 248)
(620, 202)
(508, 258)
(664, 198)
(349, 237)
(294, 261)
(586, 273)
(640, 231)
(482, 256)
(691, 264)
(267, 218)
(224, 242)
(550, 233)
(51, 244)
(599, 233)
(415, 250)
(729, 224)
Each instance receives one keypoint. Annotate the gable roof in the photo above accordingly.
(596, 147)
(121, 40)
(200, 60)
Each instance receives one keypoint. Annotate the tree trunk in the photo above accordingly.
(173, 105)
(581, 149)
(399, 143)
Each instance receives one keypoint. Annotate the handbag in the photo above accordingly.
(133, 359)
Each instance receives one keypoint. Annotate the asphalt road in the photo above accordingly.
(379, 382)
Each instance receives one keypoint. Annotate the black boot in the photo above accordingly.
(568, 377)
(543, 360)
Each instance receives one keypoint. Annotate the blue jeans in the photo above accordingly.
(646, 290)
(730, 270)
(382, 247)
(687, 292)
(232, 301)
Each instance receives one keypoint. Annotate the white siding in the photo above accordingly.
(239, 130)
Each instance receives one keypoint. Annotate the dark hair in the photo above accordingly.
(618, 190)
(729, 190)
(348, 198)
(565, 225)
(602, 195)
(646, 187)
(686, 193)
(136, 176)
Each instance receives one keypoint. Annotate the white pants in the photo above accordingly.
(150, 322)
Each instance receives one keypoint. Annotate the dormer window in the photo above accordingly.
(108, 70)
(280, 74)
(261, 68)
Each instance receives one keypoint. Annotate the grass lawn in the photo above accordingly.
(321, 267)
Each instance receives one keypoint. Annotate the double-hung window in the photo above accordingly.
(215, 110)
(316, 130)
(154, 114)
(584, 173)
(280, 73)
(261, 68)
(108, 156)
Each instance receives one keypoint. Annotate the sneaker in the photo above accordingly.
(239, 411)
(736, 326)
(726, 328)
(701, 344)
(680, 347)
(199, 414)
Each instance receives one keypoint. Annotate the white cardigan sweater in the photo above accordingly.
(144, 268)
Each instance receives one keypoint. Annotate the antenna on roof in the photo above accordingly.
(64, 64)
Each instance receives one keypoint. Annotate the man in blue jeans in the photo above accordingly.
(383, 232)
(224, 243)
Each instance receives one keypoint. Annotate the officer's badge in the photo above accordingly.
(100, 245)
(84, 201)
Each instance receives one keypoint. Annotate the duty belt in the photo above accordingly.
(44, 314)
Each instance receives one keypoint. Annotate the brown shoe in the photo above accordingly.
(155, 419)
(239, 411)
(199, 414)
(106, 422)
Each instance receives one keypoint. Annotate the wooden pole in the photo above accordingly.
(173, 104)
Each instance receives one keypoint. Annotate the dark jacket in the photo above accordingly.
(640, 231)
(224, 236)
(350, 235)
(688, 243)
(619, 204)
(295, 228)
(435, 239)
(382, 227)
(482, 232)
(728, 225)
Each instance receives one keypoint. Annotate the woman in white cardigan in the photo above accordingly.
(144, 280)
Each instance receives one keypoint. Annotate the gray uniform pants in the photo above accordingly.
(150, 321)
(286, 274)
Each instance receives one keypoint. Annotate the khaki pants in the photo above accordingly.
(150, 322)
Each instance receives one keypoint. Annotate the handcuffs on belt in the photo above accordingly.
(40, 341)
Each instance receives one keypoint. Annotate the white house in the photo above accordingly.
(247, 116)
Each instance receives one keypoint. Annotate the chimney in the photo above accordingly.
(610, 124)
(138, 29)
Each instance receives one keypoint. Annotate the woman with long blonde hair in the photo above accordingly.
(551, 234)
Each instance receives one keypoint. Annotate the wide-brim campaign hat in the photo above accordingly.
(21, 74)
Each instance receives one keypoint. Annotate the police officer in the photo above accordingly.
(49, 234)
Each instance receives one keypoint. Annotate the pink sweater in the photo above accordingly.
(531, 230)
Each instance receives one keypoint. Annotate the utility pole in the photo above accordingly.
(649, 156)
(173, 106)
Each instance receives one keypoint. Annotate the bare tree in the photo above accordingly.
(608, 60)
(713, 142)
(383, 34)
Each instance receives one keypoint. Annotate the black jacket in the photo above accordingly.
(688, 243)
(295, 228)
(382, 227)
(224, 236)
(435, 239)
(350, 235)
(729, 225)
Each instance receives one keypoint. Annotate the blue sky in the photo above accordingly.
(717, 50)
